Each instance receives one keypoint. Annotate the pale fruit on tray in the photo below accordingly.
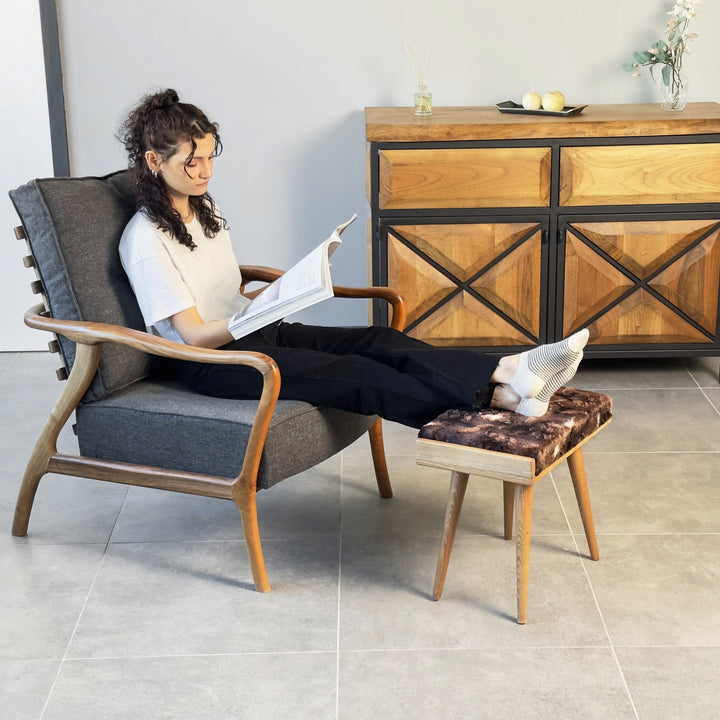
(553, 101)
(531, 101)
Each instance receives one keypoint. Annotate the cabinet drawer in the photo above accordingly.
(465, 178)
(640, 174)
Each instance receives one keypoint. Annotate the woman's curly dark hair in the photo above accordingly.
(162, 123)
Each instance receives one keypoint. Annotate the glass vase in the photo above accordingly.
(674, 96)
(423, 102)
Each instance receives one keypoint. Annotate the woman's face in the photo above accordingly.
(186, 173)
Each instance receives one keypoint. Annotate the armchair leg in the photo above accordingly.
(377, 447)
(247, 504)
(26, 496)
(86, 362)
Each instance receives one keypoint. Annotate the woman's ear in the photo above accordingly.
(153, 161)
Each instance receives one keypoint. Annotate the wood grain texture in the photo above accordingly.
(639, 174)
(464, 321)
(690, 280)
(465, 178)
(456, 495)
(643, 246)
(398, 124)
(523, 528)
(510, 284)
(576, 465)
(475, 461)
(643, 319)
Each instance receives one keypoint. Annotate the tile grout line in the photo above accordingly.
(82, 610)
(339, 580)
(72, 634)
(595, 600)
(702, 390)
(7, 368)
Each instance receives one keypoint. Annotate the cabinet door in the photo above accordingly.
(470, 284)
(649, 281)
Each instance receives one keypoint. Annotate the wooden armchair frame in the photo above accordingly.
(90, 338)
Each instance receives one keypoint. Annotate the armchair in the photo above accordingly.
(136, 423)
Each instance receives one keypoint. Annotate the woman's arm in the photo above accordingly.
(195, 331)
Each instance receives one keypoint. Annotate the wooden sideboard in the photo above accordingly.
(506, 230)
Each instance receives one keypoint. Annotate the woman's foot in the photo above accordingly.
(538, 405)
(527, 381)
(538, 368)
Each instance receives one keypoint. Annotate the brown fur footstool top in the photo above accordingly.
(572, 416)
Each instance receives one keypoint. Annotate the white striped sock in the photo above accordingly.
(538, 405)
(540, 365)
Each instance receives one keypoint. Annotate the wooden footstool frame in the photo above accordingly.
(518, 475)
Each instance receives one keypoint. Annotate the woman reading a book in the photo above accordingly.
(177, 254)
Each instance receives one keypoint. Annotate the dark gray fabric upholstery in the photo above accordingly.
(159, 422)
(136, 411)
(73, 226)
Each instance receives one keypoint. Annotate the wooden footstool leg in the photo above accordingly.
(458, 485)
(579, 479)
(508, 506)
(523, 523)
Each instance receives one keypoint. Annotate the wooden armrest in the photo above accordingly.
(91, 336)
(90, 333)
(260, 273)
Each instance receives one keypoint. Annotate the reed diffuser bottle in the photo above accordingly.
(423, 97)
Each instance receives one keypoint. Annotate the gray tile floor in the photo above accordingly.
(131, 603)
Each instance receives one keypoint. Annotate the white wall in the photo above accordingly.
(288, 82)
(26, 154)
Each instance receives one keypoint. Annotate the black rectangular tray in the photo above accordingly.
(512, 107)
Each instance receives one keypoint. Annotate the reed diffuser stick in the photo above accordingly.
(420, 71)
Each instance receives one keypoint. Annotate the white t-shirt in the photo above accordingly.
(168, 277)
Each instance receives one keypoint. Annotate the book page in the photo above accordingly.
(303, 285)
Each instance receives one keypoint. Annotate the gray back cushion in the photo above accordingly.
(73, 226)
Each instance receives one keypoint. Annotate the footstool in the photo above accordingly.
(519, 451)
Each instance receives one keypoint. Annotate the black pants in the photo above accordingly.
(371, 371)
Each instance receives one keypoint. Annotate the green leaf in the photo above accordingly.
(642, 57)
(666, 74)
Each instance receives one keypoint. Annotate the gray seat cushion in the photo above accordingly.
(159, 422)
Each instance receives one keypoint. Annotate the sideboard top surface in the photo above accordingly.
(400, 124)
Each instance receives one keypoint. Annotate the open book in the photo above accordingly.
(306, 283)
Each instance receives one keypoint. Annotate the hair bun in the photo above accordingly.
(164, 99)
